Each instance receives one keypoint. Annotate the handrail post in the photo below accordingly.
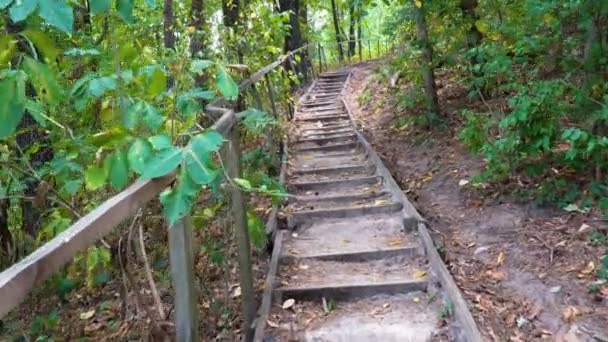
(256, 97)
(271, 96)
(378, 47)
(232, 153)
(182, 273)
(369, 48)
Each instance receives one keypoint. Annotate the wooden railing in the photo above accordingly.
(20, 279)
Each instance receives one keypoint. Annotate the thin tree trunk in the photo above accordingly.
(334, 11)
(474, 36)
(230, 11)
(169, 25)
(197, 21)
(359, 36)
(351, 31)
(428, 74)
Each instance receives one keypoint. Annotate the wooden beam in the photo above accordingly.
(19, 280)
(182, 275)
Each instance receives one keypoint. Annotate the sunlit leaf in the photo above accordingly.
(99, 6)
(43, 43)
(20, 10)
(125, 8)
(4, 3)
(200, 65)
(226, 85)
(178, 200)
(95, 177)
(160, 142)
(139, 153)
(12, 104)
(163, 163)
(57, 13)
(44, 81)
(118, 169)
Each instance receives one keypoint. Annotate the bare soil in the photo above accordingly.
(524, 270)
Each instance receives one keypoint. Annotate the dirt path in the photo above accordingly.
(524, 271)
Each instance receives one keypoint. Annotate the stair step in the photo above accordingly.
(352, 235)
(329, 147)
(410, 317)
(328, 117)
(313, 279)
(343, 211)
(329, 185)
(321, 141)
(337, 198)
(335, 170)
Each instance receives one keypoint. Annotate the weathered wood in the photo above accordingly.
(269, 286)
(232, 153)
(19, 280)
(320, 58)
(182, 274)
(270, 89)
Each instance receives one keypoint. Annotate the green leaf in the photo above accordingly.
(148, 113)
(43, 43)
(44, 81)
(200, 167)
(4, 3)
(226, 85)
(125, 8)
(95, 177)
(118, 169)
(207, 142)
(157, 83)
(200, 65)
(163, 163)
(36, 110)
(151, 3)
(58, 13)
(243, 183)
(12, 104)
(160, 142)
(99, 6)
(7, 49)
(22, 9)
(178, 201)
(98, 86)
(139, 153)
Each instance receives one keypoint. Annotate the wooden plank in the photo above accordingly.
(269, 287)
(182, 275)
(232, 153)
(18, 281)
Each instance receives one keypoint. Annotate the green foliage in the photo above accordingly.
(475, 130)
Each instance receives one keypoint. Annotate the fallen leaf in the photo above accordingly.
(395, 243)
(589, 268)
(288, 303)
(87, 315)
(416, 300)
(303, 267)
(501, 259)
(463, 182)
(583, 228)
(555, 289)
(495, 275)
(272, 324)
(419, 274)
(237, 292)
(570, 313)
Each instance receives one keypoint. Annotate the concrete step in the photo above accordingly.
(359, 168)
(337, 146)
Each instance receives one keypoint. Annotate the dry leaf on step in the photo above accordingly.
(570, 313)
(288, 303)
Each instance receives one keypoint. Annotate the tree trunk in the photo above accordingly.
(197, 21)
(351, 31)
(334, 12)
(428, 74)
(230, 12)
(468, 8)
(359, 36)
(293, 38)
(169, 25)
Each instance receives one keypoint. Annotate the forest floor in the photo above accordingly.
(524, 270)
(108, 313)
